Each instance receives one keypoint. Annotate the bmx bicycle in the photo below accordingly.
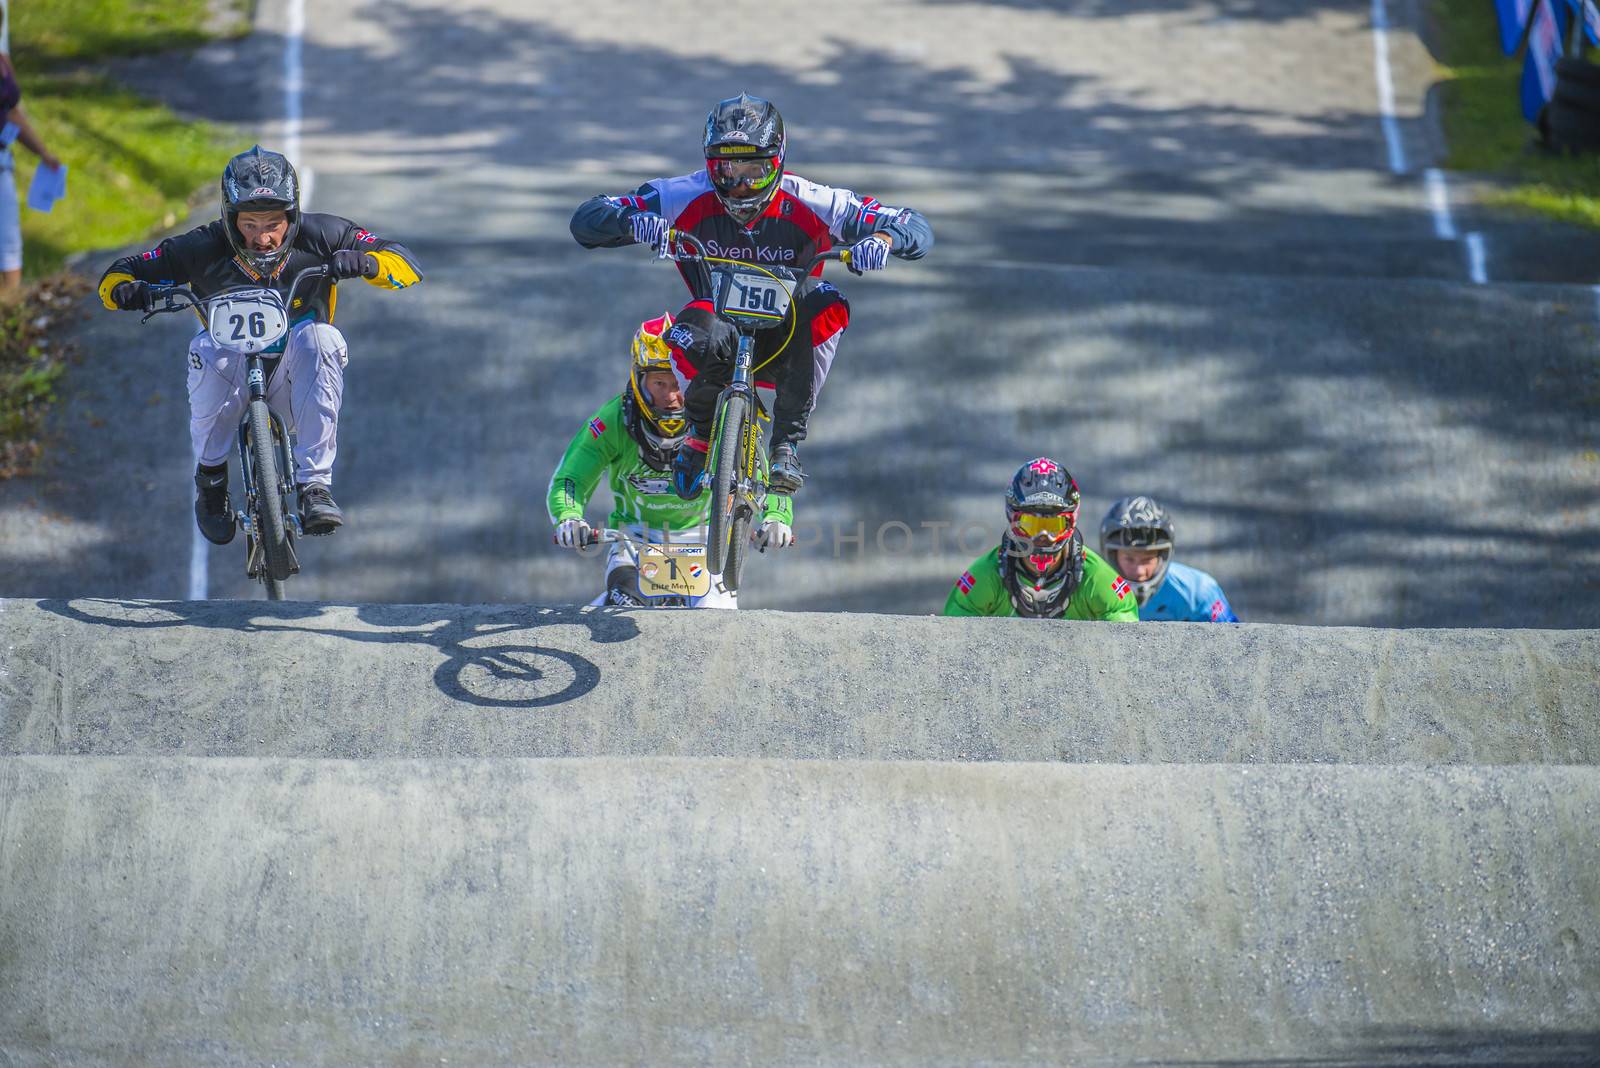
(753, 297)
(246, 321)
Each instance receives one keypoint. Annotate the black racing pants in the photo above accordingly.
(704, 347)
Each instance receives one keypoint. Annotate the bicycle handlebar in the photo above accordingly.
(180, 298)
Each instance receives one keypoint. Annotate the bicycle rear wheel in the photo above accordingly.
(272, 534)
(730, 434)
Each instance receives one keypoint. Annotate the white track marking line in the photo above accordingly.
(1444, 225)
(1380, 48)
(293, 78)
(1477, 258)
(197, 567)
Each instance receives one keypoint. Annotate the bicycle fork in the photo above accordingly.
(748, 489)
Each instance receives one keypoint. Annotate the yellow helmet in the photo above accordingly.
(658, 432)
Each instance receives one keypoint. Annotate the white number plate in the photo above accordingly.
(247, 322)
(674, 571)
(757, 297)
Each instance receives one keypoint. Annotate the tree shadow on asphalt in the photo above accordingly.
(494, 675)
(952, 375)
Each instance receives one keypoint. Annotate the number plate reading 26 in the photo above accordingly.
(248, 322)
(755, 296)
(674, 571)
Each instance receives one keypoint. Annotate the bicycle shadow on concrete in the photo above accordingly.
(502, 674)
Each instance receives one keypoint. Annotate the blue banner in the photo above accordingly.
(1513, 17)
(1546, 38)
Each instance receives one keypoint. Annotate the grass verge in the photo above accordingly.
(32, 359)
(1484, 127)
(134, 167)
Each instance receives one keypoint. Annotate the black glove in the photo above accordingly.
(354, 263)
(133, 296)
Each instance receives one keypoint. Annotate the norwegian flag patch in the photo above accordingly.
(636, 203)
(1120, 587)
(366, 236)
(596, 428)
(153, 254)
(966, 582)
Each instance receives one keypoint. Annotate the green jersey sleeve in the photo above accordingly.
(1104, 594)
(590, 452)
(978, 591)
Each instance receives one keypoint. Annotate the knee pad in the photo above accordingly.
(328, 342)
(622, 588)
(702, 336)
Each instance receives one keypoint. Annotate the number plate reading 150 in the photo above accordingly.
(248, 322)
(757, 297)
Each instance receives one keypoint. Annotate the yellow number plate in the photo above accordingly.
(674, 571)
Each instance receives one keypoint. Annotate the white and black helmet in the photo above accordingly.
(1139, 522)
(260, 180)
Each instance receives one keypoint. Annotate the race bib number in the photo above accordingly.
(752, 295)
(674, 571)
(248, 322)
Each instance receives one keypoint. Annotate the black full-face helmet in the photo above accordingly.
(260, 180)
(1042, 552)
(744, 148)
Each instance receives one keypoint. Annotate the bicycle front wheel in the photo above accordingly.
(272, 533)
(732, 423)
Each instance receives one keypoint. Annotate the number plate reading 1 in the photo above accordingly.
(674, 571)
(248, 322)
(757, 297)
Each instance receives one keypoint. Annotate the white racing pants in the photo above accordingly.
(623, 554)
(305, 391)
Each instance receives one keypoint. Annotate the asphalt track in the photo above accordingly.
(1203, 285)
(1171, 254)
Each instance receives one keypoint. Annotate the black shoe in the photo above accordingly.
(213, 512)
(689, 469)
(318, 513)
(786, 477)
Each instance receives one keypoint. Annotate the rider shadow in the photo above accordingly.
(498, 675)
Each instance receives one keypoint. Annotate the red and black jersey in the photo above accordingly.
(801, 220)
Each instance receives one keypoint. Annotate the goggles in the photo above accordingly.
(731, 174)
(1051, 528)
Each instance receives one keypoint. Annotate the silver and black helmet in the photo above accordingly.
(1138, 522)
(260, 180)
